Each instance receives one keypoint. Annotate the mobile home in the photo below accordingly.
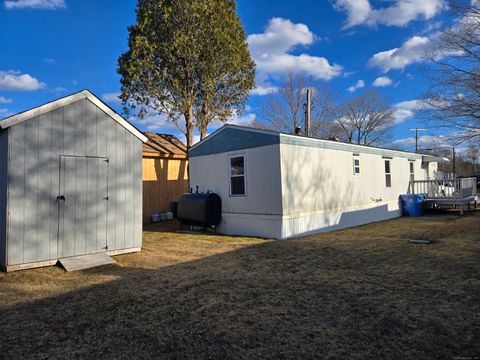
(70, 183)
(277, 185)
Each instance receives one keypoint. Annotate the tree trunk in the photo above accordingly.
(189, 125)
(204, 123)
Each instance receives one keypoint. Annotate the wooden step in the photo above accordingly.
(85, 261)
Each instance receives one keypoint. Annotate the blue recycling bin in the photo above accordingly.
(412, 205)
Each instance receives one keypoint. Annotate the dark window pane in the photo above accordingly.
(387, 167)
(237, 166)
(411, 167)
(388, 180)
(357, 162)
(357, 170)
(238, 185)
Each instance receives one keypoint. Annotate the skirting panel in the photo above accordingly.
(288, 226)
(306, 225)
(251, 225)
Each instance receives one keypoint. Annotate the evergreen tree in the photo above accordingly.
(186, 57)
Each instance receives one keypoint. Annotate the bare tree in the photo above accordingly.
(453, 99)
(284, 111)
(326, 105)
(366, 119)
(472, 155)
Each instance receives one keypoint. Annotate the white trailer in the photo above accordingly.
(277, 185)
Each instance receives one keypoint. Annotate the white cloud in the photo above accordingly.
(271, 51)
(59, 90)
(35, 4)
(358, 11)
(382, 81)
(112, 97)
(406, 109)
(280, 36)
(244, 120)
(154, 122)
(49, 60)
(424, 141)
(358, 85)
(412, 51)
(400, 13)
(264, 90)
(16, 81)
(4, 100)
(4, 113)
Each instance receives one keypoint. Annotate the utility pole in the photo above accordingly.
(416, 136)
(454, 167)
(308, 106)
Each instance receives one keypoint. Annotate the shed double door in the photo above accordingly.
(83, 205)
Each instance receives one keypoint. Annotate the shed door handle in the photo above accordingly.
(61, 197)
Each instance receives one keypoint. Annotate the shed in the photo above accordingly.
(165, 172)
(277, 185)
(70, 183)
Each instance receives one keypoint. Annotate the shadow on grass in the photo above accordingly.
(289, 299)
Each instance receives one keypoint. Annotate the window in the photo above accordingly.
(412, 171)
(356, 165)
(237, 176)
(388, 174)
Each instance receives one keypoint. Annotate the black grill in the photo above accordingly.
(200, 209)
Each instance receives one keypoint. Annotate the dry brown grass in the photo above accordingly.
(364, 292)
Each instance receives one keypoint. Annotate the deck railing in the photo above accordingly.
(444, 189)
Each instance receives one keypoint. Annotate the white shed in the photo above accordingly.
(277, 185)
(70, 183)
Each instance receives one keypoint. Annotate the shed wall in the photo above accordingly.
(164, 181)
(3, 195)
(80, 129)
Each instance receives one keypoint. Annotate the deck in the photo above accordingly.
(457, 192)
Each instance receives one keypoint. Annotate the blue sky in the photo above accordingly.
(51, 48)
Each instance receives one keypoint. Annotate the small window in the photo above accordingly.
(412, 171)
(356, 166)
(388, 174)
(237, 176)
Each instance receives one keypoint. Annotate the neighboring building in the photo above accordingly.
(70, 183)
(276, 185)
(165, 173)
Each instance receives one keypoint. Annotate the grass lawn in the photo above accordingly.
(364, 292)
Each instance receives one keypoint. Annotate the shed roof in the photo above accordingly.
(164, 145)
(234, 137)
(84, 94)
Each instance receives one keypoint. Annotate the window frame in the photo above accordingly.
(244, 175)
(356, 157)
(411, 168)
(388, 175)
